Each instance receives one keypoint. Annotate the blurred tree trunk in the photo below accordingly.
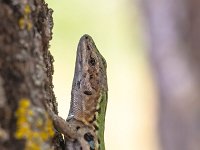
(174, 33)
(26, 76)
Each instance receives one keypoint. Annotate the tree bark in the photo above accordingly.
(26, 68)
(174, 35)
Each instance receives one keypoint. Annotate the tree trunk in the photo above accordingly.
(26, 76)
(174, 31)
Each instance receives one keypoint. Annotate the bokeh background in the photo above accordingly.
(117, 29)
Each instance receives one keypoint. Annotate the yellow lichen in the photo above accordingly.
(33, 125)
(29, 25)
(25, 21)
(21, 23)
(27, 9)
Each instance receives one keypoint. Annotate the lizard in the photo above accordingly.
(84, 126)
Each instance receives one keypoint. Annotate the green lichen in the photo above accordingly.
(33, 125)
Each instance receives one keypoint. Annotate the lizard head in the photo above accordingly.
(90, 66)
(90, 80)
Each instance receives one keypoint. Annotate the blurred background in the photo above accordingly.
(117, 29)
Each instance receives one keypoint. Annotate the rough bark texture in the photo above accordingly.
(174, 29)
(26, 76)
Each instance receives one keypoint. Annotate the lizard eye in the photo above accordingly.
(92, 61)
